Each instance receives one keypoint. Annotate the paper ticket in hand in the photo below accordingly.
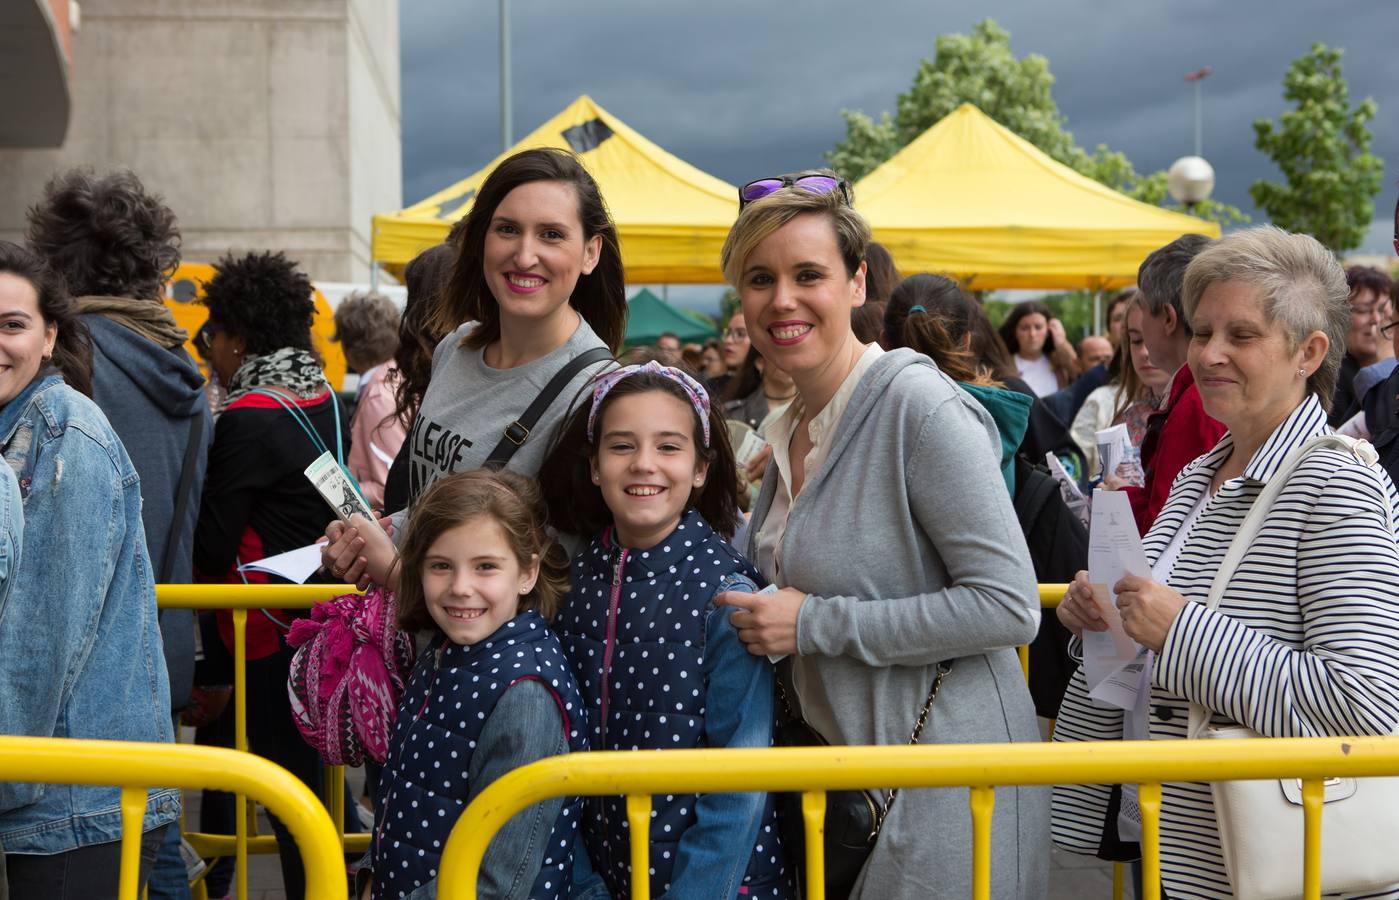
(752, 445)
(338, 489)
(1114, 551)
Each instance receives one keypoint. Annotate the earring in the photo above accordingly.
(1302, 373)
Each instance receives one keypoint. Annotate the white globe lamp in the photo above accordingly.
(1190, 180)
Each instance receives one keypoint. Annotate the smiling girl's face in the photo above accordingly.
(472, 581)
(25, 339)
(647, 465)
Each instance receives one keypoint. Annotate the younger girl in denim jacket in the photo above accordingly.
(491, 692)
(646, 470)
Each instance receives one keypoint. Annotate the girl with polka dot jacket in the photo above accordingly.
(646, 470)
(491, 692)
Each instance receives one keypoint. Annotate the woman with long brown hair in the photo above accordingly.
(1043, 356)
(80, 650)
(536, 287)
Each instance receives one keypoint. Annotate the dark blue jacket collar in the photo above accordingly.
(526, 628)
(692, 530)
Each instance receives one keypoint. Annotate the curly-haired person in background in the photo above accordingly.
(279, 416)
(116, 244)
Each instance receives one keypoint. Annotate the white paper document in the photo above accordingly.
(294, 565)
(1113, 445)
(1114, 551)
(752, 445)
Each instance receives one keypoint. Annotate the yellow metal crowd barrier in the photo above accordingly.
(980, 768)
(240, 598)
(136, 767)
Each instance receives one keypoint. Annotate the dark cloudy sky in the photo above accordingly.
(743, 88)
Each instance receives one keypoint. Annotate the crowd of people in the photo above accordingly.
(825, 527)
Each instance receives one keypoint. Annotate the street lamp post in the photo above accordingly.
(1198, 78)
(505, 139)
(1190, 178)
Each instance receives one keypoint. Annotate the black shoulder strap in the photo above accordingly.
(517, 432)
(196, 437)
(1033, 488)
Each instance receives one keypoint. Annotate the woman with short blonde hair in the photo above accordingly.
(885, 523)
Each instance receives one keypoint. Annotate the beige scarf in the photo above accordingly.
(150, 319)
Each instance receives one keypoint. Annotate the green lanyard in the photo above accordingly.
(305, 422)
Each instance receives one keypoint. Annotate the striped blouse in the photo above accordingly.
(1304, 642)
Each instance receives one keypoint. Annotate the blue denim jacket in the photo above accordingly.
(11, 533)
(80, 649)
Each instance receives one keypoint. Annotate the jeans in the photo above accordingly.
(169, 878)
(87, 873)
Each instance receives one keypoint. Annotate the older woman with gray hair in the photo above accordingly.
(1304, 640)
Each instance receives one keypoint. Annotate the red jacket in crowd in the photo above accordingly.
(1175, 435)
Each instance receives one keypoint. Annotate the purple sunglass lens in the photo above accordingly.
(818, 184)
(754, 190)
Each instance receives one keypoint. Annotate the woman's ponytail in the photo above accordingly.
(929, 334)
(930, 314)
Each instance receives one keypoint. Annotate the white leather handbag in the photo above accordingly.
(1261, 822)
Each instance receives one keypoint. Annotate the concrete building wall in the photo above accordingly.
(266, 124)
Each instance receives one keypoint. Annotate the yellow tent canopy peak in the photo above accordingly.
(972, 199)
(671, 217)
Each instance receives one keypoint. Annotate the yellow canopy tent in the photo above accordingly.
(970, 198)
(671, 217)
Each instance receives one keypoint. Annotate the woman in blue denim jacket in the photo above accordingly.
(80, 651)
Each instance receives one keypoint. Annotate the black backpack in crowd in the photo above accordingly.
(1058, 549)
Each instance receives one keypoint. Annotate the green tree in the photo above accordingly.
(980, 68)
(1322, 148)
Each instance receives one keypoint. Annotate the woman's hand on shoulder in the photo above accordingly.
(359, 553)
(1079, 611)
(1148, 610)
(766, 623)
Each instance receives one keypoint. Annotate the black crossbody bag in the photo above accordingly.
(853, 818)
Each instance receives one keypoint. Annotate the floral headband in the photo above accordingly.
(693, 389)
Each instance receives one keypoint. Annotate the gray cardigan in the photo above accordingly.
(908, 546)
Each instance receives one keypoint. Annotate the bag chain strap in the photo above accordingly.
(943, 669)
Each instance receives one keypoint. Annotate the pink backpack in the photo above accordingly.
(351, 665)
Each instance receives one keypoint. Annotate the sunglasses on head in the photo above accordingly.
(815, 182)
